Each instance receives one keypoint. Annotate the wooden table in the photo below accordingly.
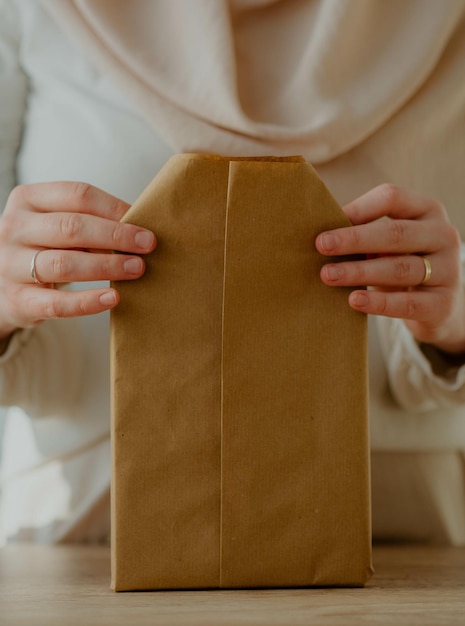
(66, 586)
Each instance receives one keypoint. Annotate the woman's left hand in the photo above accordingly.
(415, 230)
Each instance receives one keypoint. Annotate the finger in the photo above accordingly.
(71, 197)
(383, 237)
(44, 304)
(76, 230)
(418, 305)
(386, 271)
(391, 201)
(66, 266)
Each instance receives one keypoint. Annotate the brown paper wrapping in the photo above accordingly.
(239, 388)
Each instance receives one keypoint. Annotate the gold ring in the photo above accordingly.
(427, 275)
(33, 269)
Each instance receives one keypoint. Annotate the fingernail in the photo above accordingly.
(145, 240)
(108, 298)
(133, 266)
(333, 272)
(358, 299)
(328, 242)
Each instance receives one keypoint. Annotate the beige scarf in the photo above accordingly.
(314, 77)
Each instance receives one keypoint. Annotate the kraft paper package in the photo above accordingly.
(239, 388)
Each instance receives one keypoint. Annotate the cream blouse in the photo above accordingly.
(77, 104)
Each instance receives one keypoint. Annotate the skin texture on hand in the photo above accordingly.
(393, 228)
(75, 226)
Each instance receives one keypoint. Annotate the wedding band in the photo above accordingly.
(427, 275)
(33, 269)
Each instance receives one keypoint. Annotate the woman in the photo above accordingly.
(104, 92)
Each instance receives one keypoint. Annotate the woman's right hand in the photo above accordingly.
(75, 226)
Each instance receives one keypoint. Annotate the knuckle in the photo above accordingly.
(117, 235)
(53, 308)
(17, 195)
(82, 192)
(359, 273)
(402, 269)
(389, 193)
(106, 267)
(81, 306)
(70, 225)
(118, 208)
(396, 232)
(354, 235)
(439, 208)
(61, 268)
(383, 308)
(453, 239)
(410, 308)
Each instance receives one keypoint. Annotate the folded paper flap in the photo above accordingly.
(281, 325)
(144, 211)
(166, 338)
(239, 388)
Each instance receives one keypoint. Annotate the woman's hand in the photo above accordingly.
(75, 227)
(413, 227)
